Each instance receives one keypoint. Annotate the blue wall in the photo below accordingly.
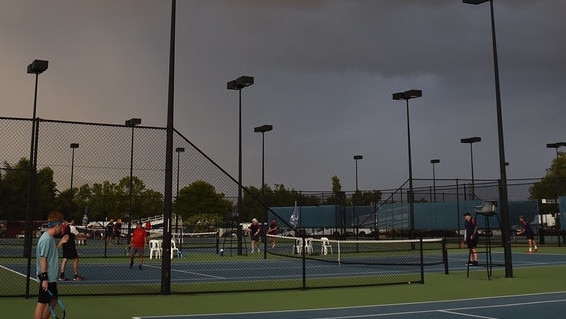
(428, 216)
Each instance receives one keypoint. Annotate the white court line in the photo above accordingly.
(466, 315)
(13, 271)
(386, 305)
(188, 272)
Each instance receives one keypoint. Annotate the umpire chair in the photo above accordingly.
(488, 209)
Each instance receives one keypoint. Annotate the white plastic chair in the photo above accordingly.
(326, 247)
(488, 208)
(298, 247)
(174, 249)
(155, 247)
(308, 246)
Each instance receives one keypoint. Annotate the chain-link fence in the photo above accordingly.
(100, 174)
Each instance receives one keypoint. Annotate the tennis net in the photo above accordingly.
(412, 252)
(202, 240)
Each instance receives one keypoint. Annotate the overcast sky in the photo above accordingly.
(324, 70)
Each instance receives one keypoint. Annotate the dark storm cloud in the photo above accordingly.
(325, 72)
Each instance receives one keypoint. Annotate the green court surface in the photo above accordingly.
(437, 287)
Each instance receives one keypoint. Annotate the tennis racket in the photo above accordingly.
(57, 310)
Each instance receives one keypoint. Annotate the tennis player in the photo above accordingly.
(471, 238)
(47, 265)
(70, 251)
(137, 244)
(273, 230)
(255, 231)
(527, 230)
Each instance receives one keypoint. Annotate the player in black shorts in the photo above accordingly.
(471, 238)
(529, 233)
(70, 251)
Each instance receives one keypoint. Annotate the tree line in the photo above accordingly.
(199, 204)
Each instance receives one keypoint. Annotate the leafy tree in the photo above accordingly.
(201, 206)
(14, 191)
(336, 186)
(365, 198)
(335, 198)
(553, 184)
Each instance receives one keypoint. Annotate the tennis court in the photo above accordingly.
(242, 270)
(536, 289)
(234, 269)
(519, 306)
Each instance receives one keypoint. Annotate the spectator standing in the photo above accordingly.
(118, 230)
(110, 231)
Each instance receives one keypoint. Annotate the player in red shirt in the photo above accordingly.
(137, 244)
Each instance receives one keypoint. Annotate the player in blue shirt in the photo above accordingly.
(47, 264)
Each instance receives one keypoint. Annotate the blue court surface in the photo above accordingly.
(231, 270)
(545, 305)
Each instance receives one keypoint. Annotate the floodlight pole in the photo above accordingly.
(179, 150)
(238, 84)
(36, 67)
(131, 123)
(168, 191)
(73, 147)
(407, 95)
(471, 141)
(503, 196)
(558, 217)
(434, 161)
(356, 159)
(262, 129)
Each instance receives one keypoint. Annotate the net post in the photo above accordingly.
(304, 258)
(217, 242)
(422, 259)
(445, 256)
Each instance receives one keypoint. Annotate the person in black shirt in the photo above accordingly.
(254, 230)
(70, 251)
(471, 238)
(118, 230)
(527, 230)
